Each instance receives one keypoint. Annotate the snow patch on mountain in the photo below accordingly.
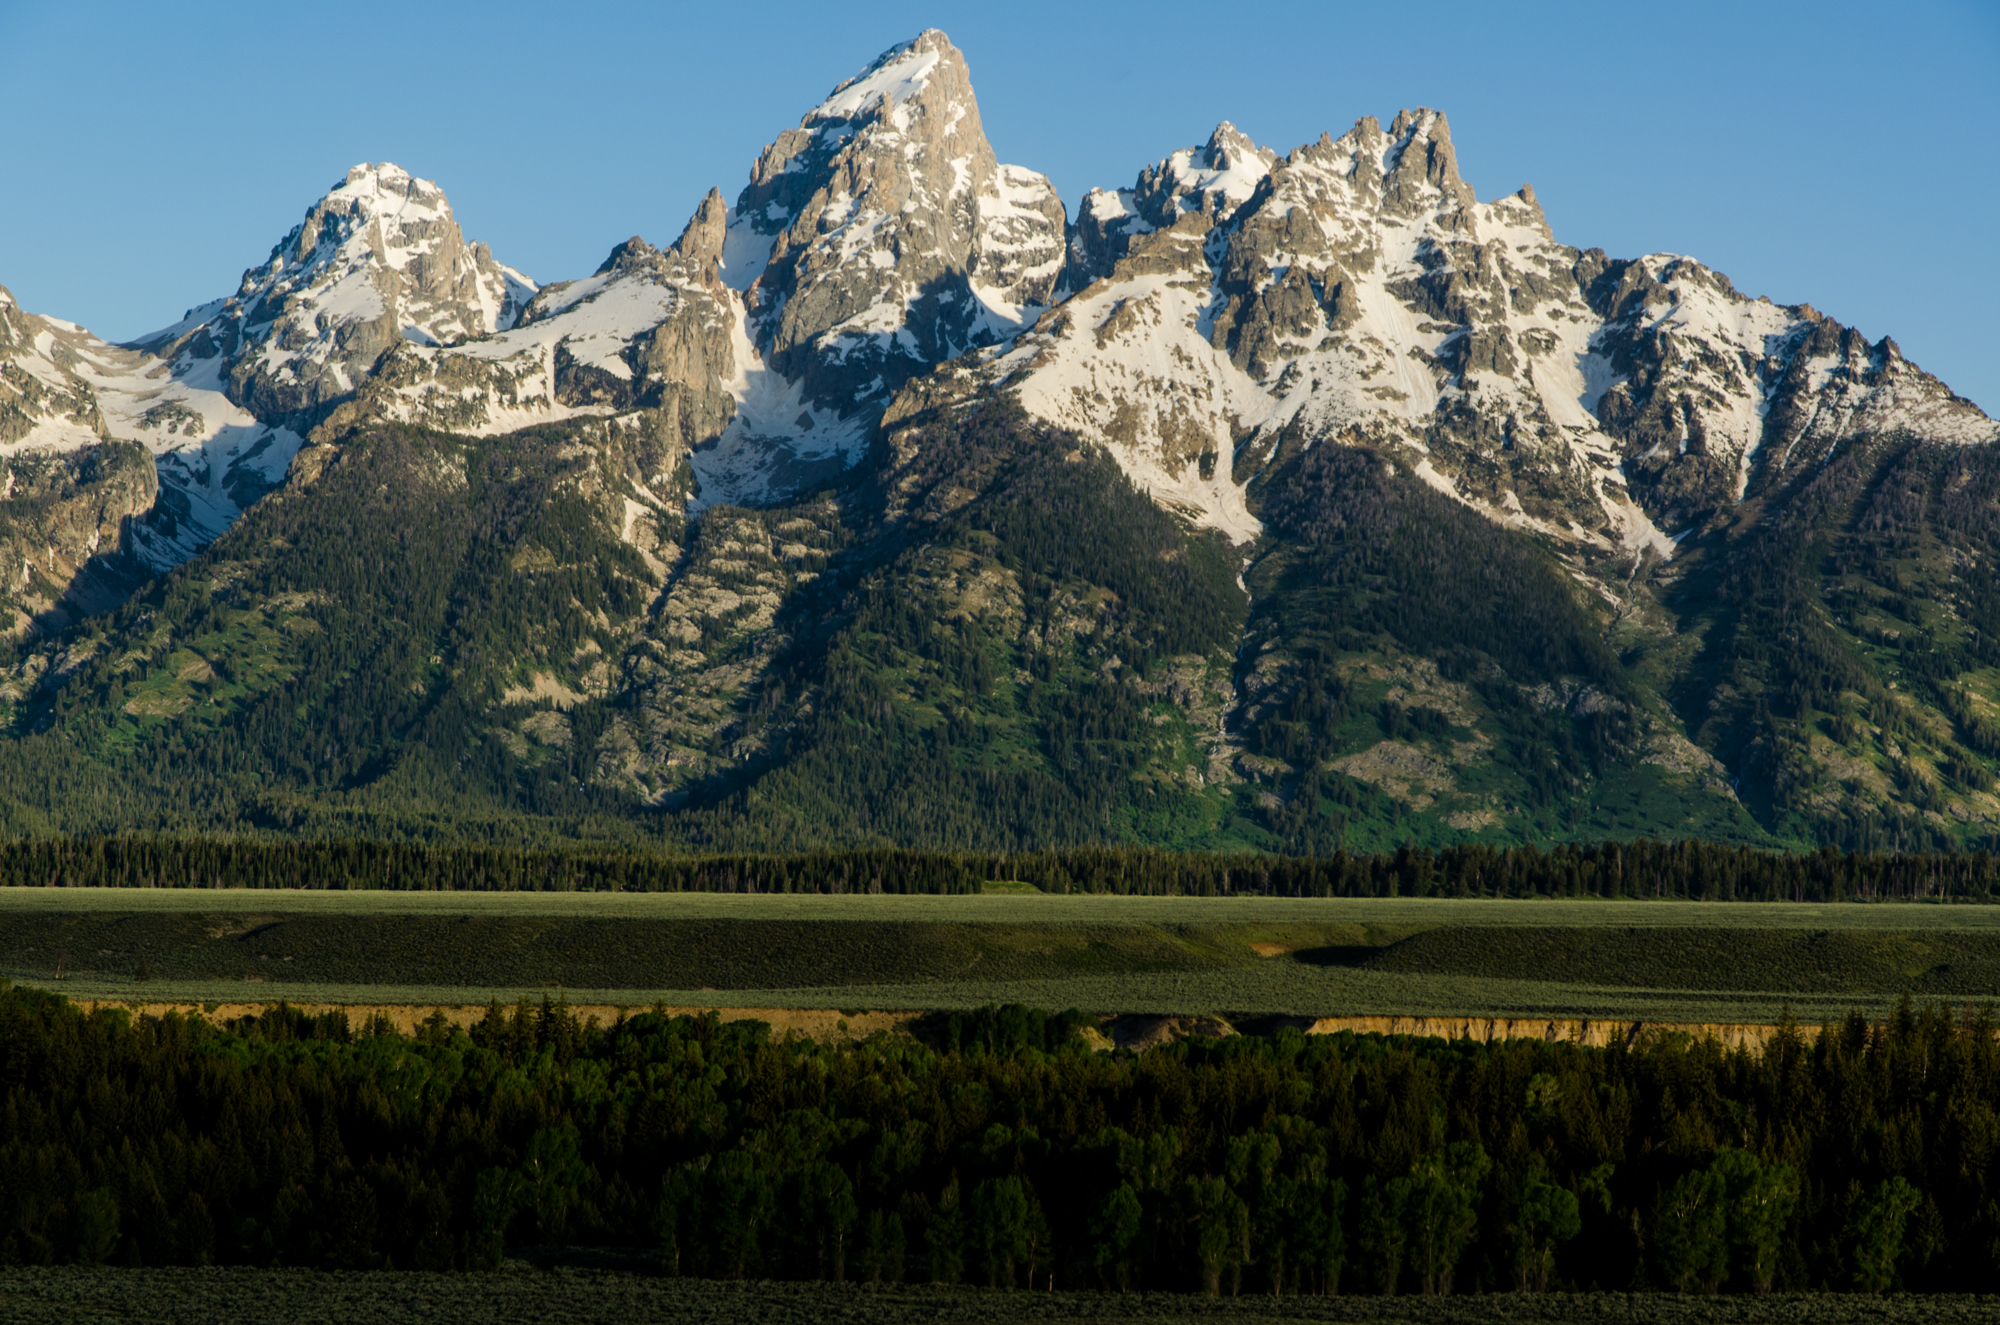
(897, 76)
(1125, 365)
(778, 441)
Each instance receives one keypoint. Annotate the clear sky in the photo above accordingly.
(1842, 154)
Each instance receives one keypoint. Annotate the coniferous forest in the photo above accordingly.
(997, 1148)
(1638, 870)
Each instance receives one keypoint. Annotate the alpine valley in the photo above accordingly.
(1276, 501)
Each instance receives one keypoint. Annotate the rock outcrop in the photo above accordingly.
(65, 533)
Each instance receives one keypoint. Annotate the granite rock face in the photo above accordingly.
(882, 236)
(68, 493)
(65, 540)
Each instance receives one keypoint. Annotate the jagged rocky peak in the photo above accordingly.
(1420, 166)
(882, 236)
(1408, 173)
(649, 337)
(1214, 179)
(1209, 182)
(378, 261)
(703, 237)
(1233, 308)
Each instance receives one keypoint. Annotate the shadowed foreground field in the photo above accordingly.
(587, 1297)
(1658, 961)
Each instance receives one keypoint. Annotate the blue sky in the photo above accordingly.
(1841, 154)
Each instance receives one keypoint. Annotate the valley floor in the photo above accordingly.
(1590, 971)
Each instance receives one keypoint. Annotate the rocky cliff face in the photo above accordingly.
(65, 533)
(65, 392)
(649, 338)
(68, 493)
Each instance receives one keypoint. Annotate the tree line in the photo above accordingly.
(998, 1148)
(1631, 870)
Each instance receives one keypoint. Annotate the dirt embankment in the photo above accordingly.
(814, 1023)
(1596, 1034)
(1123, 1032)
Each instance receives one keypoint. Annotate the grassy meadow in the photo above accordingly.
(1653, 961)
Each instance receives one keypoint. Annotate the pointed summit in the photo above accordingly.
(1421, 165)
(898, 75)
(882, 236)
(1213, 179)
(701, 240)
(378, 260)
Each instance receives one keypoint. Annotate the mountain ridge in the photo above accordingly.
(1284, 501)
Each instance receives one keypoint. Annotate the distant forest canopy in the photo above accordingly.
(996, 1148)
(1636, 870)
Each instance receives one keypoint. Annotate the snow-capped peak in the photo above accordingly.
(1220, 175)
(897, 75)
(378, 260)
(1232, 309)
(879, 238)
(415, 221)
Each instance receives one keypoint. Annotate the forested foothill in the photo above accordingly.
(999, 643)
(997, 1148)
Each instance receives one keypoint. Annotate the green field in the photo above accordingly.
(77, 1296)
(1651, 961)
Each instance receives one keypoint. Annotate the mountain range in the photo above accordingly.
(1275, 501)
